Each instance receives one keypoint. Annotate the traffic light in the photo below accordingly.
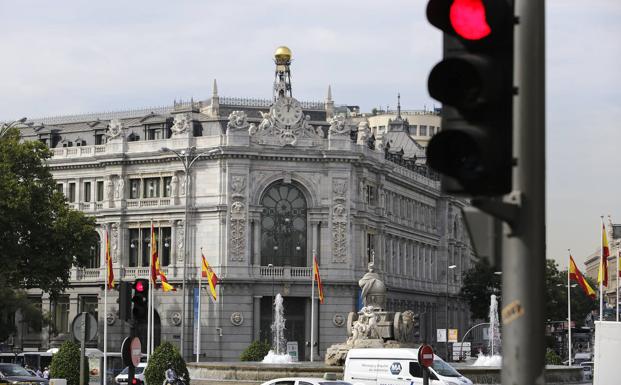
(140, 299)
(416, 326)
(125, 304)
(474, 82)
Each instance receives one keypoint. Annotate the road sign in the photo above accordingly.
(425, 355)
(81, 322)
(452, 335)
(131, 350)
(441, 335)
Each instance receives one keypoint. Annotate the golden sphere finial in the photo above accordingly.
(282, 55)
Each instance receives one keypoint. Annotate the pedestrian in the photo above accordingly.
(46, 373)
(39, 373)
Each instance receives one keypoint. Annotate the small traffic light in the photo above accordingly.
(125, 304)
(140, 299)
(416, 326)
(474, 82)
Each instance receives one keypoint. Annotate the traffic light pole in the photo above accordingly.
(523, 313)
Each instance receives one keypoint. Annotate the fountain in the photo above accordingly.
(278, 353)
(494, 344)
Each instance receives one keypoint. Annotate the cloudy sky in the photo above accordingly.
(68, 57)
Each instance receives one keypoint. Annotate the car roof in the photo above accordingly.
(307, 379)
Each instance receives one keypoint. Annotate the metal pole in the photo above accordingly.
(523, 310)
(185, 247)
(568, 316)
(446, 313)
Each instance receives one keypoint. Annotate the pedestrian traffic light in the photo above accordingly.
(125, 298)
(474, 82)
(140, 299)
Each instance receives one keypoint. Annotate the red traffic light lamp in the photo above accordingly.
(140, 300)
(474, 82)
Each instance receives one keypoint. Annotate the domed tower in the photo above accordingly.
(282, 81)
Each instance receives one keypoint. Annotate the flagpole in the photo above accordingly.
(200, 287)
(601, 275)
(569, 310)
(313, 308)
(150, 290)
(105, 336)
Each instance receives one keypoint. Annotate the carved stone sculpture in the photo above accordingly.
(115, 129)
(373, 289)
(238, 121)
(338, 126)
(181, 124)
(363, 133)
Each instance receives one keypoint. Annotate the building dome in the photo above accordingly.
(282, 55)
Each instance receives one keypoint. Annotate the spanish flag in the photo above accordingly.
(602, 274)
(165, 285)
(212, 278)
(110, 278)
(577, 276)
(317, 278)
(155, 263)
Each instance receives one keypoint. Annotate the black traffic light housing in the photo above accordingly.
(140, 300)
(416, 326)
(125, 300)
(474, 82)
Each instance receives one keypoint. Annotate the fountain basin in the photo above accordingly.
(254, 373)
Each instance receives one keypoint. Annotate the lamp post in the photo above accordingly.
(448, 267)
(4, 128)
(187, 157)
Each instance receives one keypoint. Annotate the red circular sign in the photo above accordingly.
(135, 351)
(425, 355)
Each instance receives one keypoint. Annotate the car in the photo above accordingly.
(328, 379)
(15, 374)
(121, 379)
(587, 370)
(397, 366)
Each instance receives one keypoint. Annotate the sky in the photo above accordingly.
(72, 57)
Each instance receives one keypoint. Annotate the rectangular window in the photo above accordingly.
(87, 191)
(71, 192)
(432, 130)
(61, 315)
(59, 187)
(89, 304)
(370, 194)
(151, 187)
(34, 325)
(370, 247)
(167, 186)
(99, 139)
(134, 245)
(100, 191)
(422, 131)
(134, 185)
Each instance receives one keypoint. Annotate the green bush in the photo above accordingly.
(66, 364)
(552, 358)
(256, 351)
(164, 357)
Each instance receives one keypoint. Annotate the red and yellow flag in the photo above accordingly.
(212, 278)
(577, 276)
(165, 285)
(602, 274)
(317, 278)
(110, 277)
(155, 263)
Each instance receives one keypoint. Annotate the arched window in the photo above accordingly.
(283, 225)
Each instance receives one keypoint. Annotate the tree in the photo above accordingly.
(66, 364)
(480, 283)
(41, 237)
(164, 357)
(256, 351)
(556, 296)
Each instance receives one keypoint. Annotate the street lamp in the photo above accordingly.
(448, 267)
(187, 157)
(4, 128)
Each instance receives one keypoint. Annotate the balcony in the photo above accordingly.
(149, 202)
(285, 272)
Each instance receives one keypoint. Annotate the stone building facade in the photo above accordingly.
(274, 181)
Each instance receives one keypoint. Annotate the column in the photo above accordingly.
(173, 243)
(257, 241)
(314, 241)
(256, 317)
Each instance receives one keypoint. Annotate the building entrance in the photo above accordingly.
(295, 321)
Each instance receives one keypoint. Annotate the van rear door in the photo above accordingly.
(361, 371)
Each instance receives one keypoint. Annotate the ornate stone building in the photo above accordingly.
(273, 181)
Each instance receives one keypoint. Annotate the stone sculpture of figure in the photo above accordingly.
(109, 188)
(373, 289)
(115, 129)
(363, 133)
(173, 185)
(118, 194)
(181, 124)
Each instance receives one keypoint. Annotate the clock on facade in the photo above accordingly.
(287, 111)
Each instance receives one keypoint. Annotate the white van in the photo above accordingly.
(396, 367)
